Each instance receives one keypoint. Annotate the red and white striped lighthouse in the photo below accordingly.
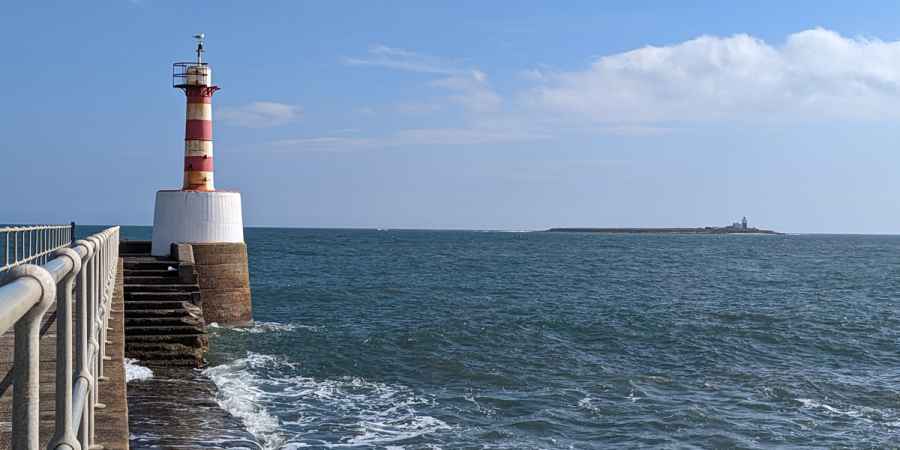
(195, 79)
(196, 213)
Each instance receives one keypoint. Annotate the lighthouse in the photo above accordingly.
(195, 79)
(198, 214)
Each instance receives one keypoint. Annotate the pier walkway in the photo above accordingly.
(30, 413)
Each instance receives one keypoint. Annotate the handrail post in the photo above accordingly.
(82, 354)
(93, 345)
(63, 435)
(26, 383)
(101, 309)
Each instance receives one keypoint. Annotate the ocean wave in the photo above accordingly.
(280, 408)
(812, 404)
(135, 371)
(240, 393)
(270, 327)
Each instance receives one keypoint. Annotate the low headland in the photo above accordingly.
(697, 230)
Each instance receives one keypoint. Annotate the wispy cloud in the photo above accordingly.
(399, 59)
(322, 143)
(469, 86)
(260, 114)
(411, 137)
(464, 136)
(471, 90)
(413, 108)
(416, 108)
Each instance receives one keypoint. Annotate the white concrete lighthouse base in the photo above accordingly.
(193, 216)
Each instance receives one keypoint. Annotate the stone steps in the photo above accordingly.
(171, 361)
(187, 357)
(165, 307)
(138, 322)
(153, 279)
(184, 296)
(151, 272)
(144, 328)
(149, 265)
(154, 312)
(164, 323)
(153, 287)
(185, 337)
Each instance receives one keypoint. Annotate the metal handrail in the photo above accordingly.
(34, 243)
(86, 268)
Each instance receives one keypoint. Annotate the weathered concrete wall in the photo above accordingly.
(224, 282)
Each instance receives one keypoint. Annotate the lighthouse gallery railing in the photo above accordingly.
(87, 269)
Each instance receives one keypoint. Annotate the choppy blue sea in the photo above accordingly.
(446, 340)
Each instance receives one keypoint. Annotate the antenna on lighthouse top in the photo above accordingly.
(199, 38)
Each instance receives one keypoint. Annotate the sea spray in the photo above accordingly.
(135, 371)
(260, 326)
(371, 414)
(240, 393)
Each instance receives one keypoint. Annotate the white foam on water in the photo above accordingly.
(135, 371)
(486, 410)
(359, 413)
(633, 397)
(383, 430)
(812, 404)
(270, 327)
(588, 404)
(240, 393)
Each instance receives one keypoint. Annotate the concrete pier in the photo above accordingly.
(112, 421)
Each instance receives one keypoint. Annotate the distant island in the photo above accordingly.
(735, 228)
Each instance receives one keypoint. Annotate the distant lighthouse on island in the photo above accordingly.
(197, 214)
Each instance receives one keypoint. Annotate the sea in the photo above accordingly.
(404, 339)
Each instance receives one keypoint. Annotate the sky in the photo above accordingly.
(463, 114)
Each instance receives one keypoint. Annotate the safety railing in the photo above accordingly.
(87, 270)
(25, 244)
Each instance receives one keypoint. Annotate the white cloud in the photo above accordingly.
(412, 137)
(260, 114)
(470, 87)
(464, 136)
(532, 75)
(323, 143)
(471, 90)
(399, 59)
(415, 108)
(814, 74)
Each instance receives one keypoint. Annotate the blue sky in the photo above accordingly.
(482, 115)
